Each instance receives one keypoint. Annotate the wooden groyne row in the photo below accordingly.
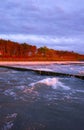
(43, 72)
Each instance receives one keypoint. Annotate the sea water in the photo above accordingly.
(29, 101)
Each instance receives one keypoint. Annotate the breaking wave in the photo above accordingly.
(53, 82)
(35, 89)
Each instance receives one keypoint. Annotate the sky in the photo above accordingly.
(57, 24)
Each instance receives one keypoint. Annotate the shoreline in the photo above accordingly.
(38, 62)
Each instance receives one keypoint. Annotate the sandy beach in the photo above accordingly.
(38, 62)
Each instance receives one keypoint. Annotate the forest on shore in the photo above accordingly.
(13, 51)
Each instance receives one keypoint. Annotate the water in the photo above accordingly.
(65, 67)
(29, 101)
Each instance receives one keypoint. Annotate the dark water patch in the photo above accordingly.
(42, 116)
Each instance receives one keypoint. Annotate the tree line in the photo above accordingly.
(10, 50)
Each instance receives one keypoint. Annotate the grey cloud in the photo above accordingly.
(46, 17)
(29, 18)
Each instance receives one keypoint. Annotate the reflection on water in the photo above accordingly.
(32, 102)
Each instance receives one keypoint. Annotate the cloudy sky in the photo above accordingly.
(58, 24)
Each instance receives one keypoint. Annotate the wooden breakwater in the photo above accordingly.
(43, 72)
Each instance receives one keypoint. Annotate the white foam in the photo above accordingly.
(8, 126)
(9, 121)
(44, 69)
(53, 82)
(10, 92)
(21, 87)
(14, 115)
